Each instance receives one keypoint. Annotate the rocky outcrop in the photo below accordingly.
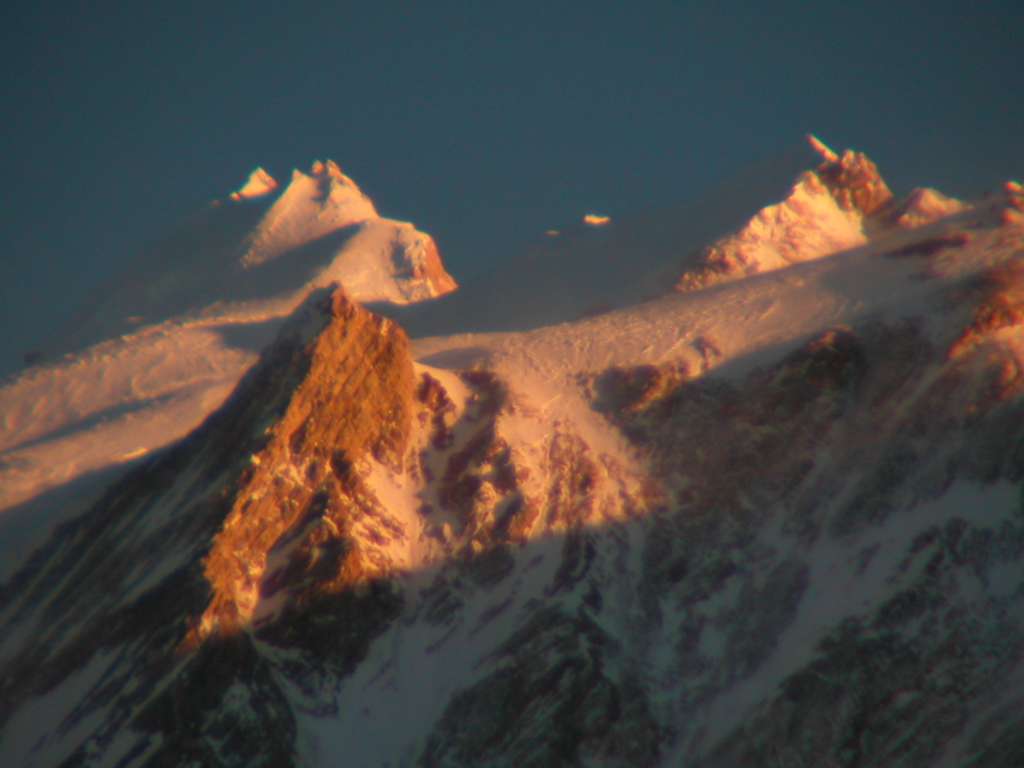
(854, 182)
(551, 701)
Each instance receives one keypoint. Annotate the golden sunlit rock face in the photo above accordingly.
(302, 495)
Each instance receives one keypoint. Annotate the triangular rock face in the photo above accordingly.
(355, 401)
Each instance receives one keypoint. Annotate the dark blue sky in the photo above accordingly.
(483, 123)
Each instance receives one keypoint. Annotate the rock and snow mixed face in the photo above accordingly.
(164, 346)
(771, 519)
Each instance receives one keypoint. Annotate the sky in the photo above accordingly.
(483, 123)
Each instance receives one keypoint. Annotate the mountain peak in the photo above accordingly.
(355, 358)
(313, 205)
(828, 210)
(258, 184)
(852, 178)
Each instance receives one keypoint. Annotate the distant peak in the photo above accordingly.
(313, 205)
(258, 184)
(828, 210)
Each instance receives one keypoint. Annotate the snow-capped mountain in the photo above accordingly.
(256, 254)
(769, 516)
(843, 204)
(170, 341)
